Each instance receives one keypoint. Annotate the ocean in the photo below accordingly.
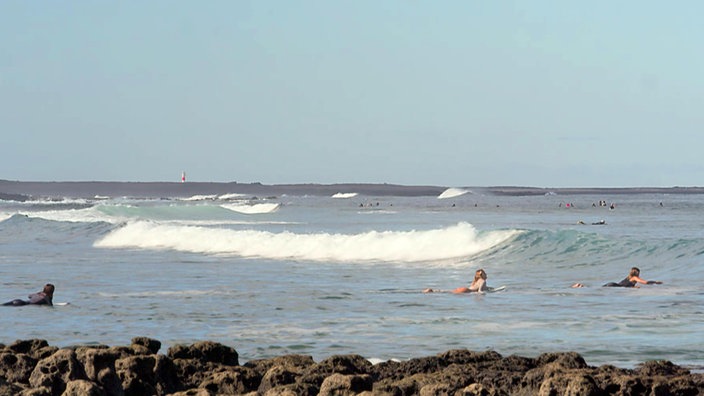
(343, 273)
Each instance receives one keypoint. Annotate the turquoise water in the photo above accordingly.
(324, 275)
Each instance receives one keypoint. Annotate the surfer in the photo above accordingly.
(478, 284)
(632, 280)
(43, 297)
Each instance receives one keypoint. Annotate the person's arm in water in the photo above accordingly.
(638, 279)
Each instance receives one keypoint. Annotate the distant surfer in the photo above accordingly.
(43, 297)
(478, 284)
(183, 177)
(632, 280)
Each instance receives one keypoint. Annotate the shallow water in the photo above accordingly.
(324, 275)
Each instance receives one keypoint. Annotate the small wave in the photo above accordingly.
(345, 195)
(452, 192)
(199, 198)
(377, 211)
(461, 240)
(87, 215)
(253, 209)
(232, 196)
(58, 202)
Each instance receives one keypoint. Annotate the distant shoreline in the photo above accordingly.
(19, 190)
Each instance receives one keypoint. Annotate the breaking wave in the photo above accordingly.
(452, 192)
(456, 241)
(344, 195)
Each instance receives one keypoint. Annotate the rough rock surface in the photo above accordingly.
(32, 367)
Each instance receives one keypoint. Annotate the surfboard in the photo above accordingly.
(62, 304)
(496, 289)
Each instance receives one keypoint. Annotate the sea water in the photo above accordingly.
(344, 274)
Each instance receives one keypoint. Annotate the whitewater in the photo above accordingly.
(344, 273)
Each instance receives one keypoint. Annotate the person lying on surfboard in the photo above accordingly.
(43, 297)
(632, 280)
(478, 284)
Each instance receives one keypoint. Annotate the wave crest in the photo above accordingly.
(345, 195)
(452, 192)
(252, 209)
(461, 240)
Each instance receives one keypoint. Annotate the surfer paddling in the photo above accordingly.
(477, 285)
(632, 280)
(43, 297)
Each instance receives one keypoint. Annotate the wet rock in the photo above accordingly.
(151, 344)
(653, 368)
(570, 360)
(231, 381)
(99, 366)
(338, 364)
(192, 372)
(261, 366)
(206, 351)
(165, 376)
(56, 370)
(279, 375)
(209, 368)
(16, 367)
(571, 383)
(9, 388)
(476, 390)
(83, 388)
(464, 356)
(291, 390)
(37, 349)
(194, 392)
(137, 374)
(343, 385)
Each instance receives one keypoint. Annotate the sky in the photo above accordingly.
(446, 93)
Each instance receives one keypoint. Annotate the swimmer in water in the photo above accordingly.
(632, 280)
(43, 297)
(478, 284)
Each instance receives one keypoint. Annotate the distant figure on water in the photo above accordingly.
(477, 285)
(632, 280)
(43, 297)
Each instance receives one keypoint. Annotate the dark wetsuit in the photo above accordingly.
(34, 299)
(626, 282)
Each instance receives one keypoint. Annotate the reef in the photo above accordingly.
(33, 367)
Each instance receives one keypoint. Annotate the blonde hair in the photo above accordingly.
(480, 274)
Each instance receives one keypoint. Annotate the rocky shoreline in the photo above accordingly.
(33, 367)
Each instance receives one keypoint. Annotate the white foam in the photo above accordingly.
(252, 209)
(200, 198)
(461, 240)
(62, 201)
(452, 192)
(345, 195)
(227, 197)
(87, 215)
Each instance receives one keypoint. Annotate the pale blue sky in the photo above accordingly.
(453, 93)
